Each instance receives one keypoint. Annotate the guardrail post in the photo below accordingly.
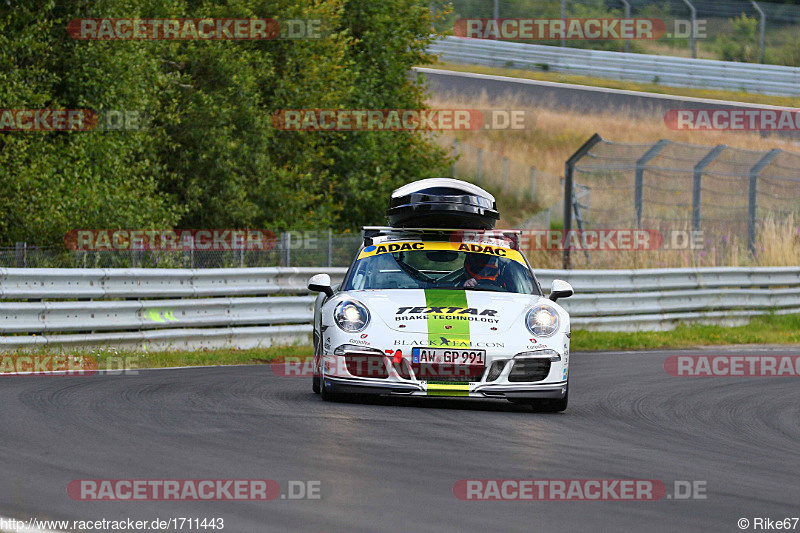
(752, 205)
(505, 173)
(763, 28)
(627, 16)
(569, 169)
(693, 38)
(480, 165)
(639, 179)
(533, 183)
(698, 177)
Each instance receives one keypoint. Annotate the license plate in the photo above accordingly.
(448, 356)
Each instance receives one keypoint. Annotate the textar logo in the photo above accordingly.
(445, 310)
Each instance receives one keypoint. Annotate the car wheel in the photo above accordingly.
(551, 406)
(545, 406)
(327, 395)
(315, 384)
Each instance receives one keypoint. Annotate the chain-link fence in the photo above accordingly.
(725, 193)
(295, 248)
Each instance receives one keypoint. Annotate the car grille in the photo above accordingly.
(366, 366)
(495, 370)
(529, 369)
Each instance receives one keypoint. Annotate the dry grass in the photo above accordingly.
(556, 136)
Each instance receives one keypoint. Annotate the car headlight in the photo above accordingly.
(547, 352)
(542, 321)
(351, 316)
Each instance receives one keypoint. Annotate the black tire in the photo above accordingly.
(551, 406)
(315, 384)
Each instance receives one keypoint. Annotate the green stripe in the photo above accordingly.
(459, 329)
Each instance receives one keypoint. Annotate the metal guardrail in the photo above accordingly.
(183, 309)
(671, 71)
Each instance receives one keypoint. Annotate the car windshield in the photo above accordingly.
(440, 265)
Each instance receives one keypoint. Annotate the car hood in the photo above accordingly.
(451, 313)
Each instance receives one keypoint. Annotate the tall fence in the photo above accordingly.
(158, 309)
(775, 21)
(722, 191)
(291, 248)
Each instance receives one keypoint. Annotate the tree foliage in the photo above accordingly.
(208, 155)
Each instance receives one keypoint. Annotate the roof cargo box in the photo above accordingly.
(442, 203)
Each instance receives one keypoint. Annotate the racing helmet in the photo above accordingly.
(482, 266)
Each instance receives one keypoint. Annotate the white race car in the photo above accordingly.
(441, 312)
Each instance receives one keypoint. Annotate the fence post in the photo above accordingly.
(505, 173)
(496, 9)
(569, 169)
(480, 165)
(762, 30)
(19, 254)
(693, 38)
(638, 192)
(627, 16)
(286, 242)
(752, 205)
(330, 247)
(455, 154)
(698, 177)
(533, 183)
(563, 16)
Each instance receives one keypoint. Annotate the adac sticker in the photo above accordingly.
(387, 248)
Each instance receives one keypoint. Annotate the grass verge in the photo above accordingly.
(768, 329)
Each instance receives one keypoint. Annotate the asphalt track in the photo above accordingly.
(390, 463)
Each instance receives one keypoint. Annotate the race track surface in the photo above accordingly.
(390, 463)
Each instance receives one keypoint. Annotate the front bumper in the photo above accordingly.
(336, 379)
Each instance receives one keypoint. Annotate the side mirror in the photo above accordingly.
(321, 283)
(560, 289)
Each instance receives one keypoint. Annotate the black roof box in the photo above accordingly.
(442, 203)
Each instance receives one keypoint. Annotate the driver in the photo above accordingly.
(482, 268)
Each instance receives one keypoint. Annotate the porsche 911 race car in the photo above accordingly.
(439, 311)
